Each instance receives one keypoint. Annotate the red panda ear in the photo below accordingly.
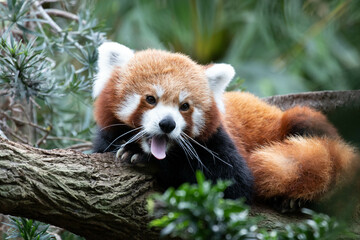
(219, 76)
(111, 55)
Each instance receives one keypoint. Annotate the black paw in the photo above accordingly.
(131, 156)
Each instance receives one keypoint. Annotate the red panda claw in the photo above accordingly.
(124, 156)
(287, 205)
(134, 158)
(292, 203)
(119, 153)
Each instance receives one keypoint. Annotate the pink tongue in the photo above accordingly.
(158, 147)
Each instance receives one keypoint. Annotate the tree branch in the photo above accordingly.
(86, 194)
(325, 101)
(52, 23)
(93, 197)
(61, 13)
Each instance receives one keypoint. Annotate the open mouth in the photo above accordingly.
(158, 144)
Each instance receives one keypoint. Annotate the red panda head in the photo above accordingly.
(166, 95)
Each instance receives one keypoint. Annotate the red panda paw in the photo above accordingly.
(287, 205)
(130, 156)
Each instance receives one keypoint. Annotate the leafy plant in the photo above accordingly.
(46, 72)
(320, 226)
(200, 212)
(28, 229)
(24, 72)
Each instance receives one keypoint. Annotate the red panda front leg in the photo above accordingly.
(131, 155)
(116, 139)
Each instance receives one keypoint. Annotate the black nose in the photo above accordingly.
(167, 124)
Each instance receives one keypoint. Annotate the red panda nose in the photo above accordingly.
(167, 124)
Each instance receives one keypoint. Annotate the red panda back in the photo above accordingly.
(250, 121)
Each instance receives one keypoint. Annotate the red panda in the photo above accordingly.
(161, 107)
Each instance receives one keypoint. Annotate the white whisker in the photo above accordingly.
(186, 153)
(214, 154)
(112, 125)
(134, 138)
(183, 147)
(132, 130)
(194, 153)
(190, 147)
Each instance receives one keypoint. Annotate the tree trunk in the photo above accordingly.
(90, 195)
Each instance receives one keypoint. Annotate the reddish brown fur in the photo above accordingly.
(284, 165)
(306, 118)
(174, 73)
(297, 168)
(250, 122)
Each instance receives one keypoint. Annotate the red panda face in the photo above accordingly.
(165, 96)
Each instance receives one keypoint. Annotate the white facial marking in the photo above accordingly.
(145, 146)
(150, 120)
(183, 95)
(128, 107)
(159, 90)
(198, 121)
(219, 76)
(111, 55)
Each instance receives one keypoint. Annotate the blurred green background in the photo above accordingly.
(276, 47)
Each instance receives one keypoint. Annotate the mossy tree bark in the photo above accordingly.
(86, 194)
(92, 196)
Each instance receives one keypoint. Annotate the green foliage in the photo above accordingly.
(320, 226)
(278, 47)
(24, 72)
(46, 71)
(236, 84)
(15, 12)
(28, 230)
(200, 212)
(69, 236)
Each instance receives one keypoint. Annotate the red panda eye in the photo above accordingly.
(151, 100)
(184, 107)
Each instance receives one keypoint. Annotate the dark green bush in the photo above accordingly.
(200, 212)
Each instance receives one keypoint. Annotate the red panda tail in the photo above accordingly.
(301, 167)
(305, 121)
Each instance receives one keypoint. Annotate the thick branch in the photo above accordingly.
(93, 197)
(86, 194)
(325, 101)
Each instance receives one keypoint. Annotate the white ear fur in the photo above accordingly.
(111, 55)
(219, 76)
